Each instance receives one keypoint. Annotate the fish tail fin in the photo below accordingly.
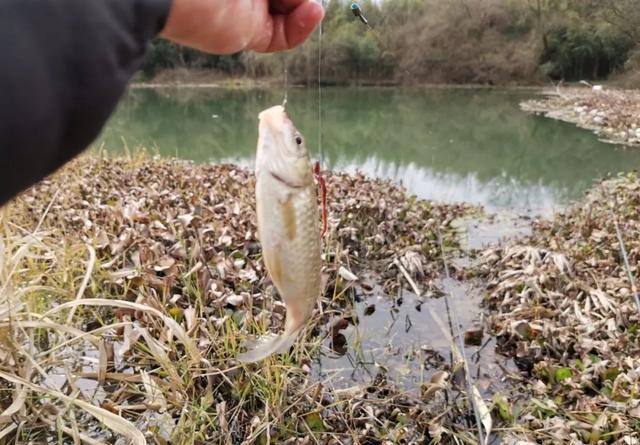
(267, 345)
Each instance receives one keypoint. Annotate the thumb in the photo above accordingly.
(288, 31)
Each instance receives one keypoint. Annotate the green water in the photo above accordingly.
(442, 144)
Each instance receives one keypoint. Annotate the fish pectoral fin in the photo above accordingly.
(267, 345)
(284, 197)
(282, 192)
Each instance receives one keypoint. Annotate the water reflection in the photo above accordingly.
(407, 339)
(442, 144)
(503, 191)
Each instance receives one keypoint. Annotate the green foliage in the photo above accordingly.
(314, 421)
(581, 49)
(563, 374)
(503, 407)
(478, 41)
(161, 54)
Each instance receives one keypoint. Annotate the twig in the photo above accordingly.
(8, 430)
(90, 263)
(412, 283)
(477, 353)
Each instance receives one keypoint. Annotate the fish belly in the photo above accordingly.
(289, 232)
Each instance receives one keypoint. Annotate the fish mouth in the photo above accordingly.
(275, 127)
(274, 117)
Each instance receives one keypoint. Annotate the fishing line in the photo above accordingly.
(286, 84)
(357, 11)
(320, 89)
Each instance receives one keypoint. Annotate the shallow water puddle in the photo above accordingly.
(479, 233)
(408, 339)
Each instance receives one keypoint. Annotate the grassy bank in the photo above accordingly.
(128, 285)
(613, 114)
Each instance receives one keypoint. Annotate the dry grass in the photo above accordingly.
(472, 41)
(127, 286)
(564, 308)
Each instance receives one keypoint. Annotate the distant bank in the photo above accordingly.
(202, 78)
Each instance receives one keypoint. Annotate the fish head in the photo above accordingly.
(281, 148)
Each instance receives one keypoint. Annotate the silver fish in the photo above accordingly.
(288, 227)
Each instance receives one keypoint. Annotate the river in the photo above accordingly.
(445, 144)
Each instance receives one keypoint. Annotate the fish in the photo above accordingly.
(288, 227)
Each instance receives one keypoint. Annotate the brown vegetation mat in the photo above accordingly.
(562, 306)
(614, 115)
(126, 287)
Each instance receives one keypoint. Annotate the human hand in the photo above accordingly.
(230, 26)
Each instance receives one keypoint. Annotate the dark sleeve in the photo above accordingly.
(65, 64)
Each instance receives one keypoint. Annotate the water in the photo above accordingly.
(442, 144)
(408, 340)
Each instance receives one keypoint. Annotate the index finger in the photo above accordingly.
(284, 6)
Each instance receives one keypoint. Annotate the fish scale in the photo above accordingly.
(302, 254)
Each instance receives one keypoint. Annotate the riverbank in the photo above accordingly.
(207, 78)
(562, 306)
(194, 78)
(129, 285)
(190, 78)
(612, 114)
